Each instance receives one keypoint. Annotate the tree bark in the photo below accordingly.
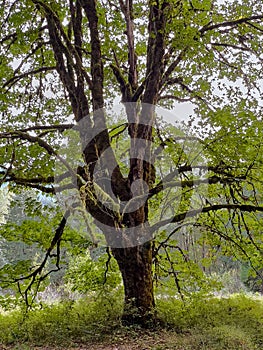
(135, 261)
(135, 264)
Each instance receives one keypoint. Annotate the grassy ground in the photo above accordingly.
(234, 323)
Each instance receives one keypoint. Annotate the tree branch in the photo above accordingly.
(124, 85)
(195, 212)
(62, 46)
(188, 183)
(53, 127)
(235, 47)
(96, 58)
(37, 272)
(35, 139)
(172, 67)
(155, 51)
(229, 23)
(132, 58)
(16, 78)
(173, 97)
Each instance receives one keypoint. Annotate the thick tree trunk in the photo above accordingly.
(135, 264)
(135, 261)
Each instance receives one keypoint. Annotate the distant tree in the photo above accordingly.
(72, 58)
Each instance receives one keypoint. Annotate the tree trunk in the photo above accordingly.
(135, 264)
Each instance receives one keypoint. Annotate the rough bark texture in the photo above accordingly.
(135, 264)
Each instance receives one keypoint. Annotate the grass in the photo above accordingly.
(234, 323)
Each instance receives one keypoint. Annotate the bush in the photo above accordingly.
(85, 275)
(62, 323)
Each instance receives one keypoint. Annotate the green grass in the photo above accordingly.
(215, 324)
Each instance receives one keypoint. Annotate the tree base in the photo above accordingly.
(147, 320)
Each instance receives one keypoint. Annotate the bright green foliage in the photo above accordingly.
(86, 275)
(62, 323)
(212, 57)
(215, 324)
(225, 323)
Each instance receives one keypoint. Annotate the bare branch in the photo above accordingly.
(188, 183)
(235, 47)
(124, 85)
(233, 23)
(253, 25)
(36, 180)
(35, 139)
(194, 212)
(173, 97)
(8, 37)
(53, 127)
(38, 271)
(172, 67)
(16, 78)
